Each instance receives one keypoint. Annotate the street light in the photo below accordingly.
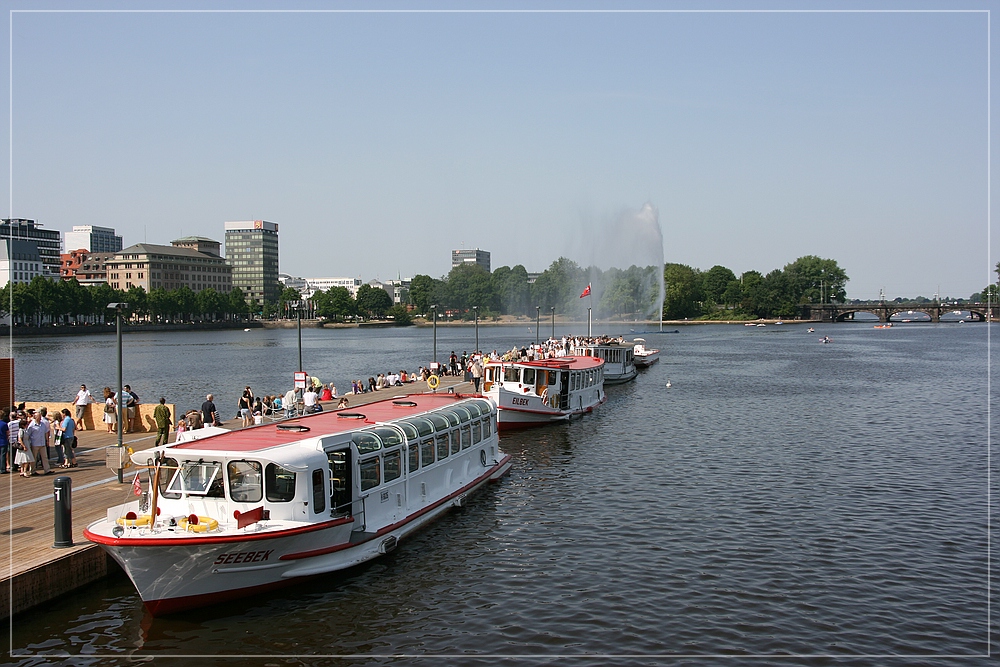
(118, 308)
(434, 314)
(298, 324)
(553, 309)
(475, 309)
(538, 309)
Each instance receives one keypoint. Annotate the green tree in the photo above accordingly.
(288, 294)
(238, 306)
(810, 279)
(400, 316)
(468, 285)
(715, 282)
(511, 290)
(336, 303)
(423, 293)
(682, 285)
(373, 301)
(559, 285)
(137, 300)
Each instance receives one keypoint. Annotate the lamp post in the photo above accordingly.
(475, 309)
(434, 315)
(298, 325)
(553, 309)
(118, 308)
(538, 309)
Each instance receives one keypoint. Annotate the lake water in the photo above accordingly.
(799, 502)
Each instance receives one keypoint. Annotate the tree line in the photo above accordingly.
(633, 292)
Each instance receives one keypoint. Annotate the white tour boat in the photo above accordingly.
(644, 356)
(241, 512)
(530, 393)
(618, 356)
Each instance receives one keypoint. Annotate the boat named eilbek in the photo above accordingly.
(530, 393)
(237, 513)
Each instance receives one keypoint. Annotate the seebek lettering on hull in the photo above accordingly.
(243, 557)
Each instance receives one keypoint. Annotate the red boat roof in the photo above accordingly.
(559, 363)
(265, 436)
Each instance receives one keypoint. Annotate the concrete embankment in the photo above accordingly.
(87, 329)
(40, 572)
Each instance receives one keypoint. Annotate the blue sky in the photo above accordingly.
(381, 141)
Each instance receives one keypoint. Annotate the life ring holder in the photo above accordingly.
(433, 382)
(198, 524)
(300, 428)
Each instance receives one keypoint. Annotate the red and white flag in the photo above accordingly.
(586, 292)
(136, 486)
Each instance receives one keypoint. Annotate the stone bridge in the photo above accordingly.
(844, 312)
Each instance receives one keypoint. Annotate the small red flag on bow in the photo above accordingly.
(136, 487)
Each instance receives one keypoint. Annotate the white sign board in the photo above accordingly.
(300, 379)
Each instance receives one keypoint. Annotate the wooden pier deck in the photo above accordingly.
(39, 572)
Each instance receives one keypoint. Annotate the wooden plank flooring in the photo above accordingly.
(26, 508)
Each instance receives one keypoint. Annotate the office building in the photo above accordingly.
(48, 242)
(476, 256)
(19, 261)
(352, 284)
(169, 267)
(252, 252)
(92, 239)
(89, 268)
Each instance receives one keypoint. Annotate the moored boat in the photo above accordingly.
(246, 511)
(618, 356)
(530, 393)
(644, 357)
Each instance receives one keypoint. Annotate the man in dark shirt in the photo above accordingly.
(208, 412)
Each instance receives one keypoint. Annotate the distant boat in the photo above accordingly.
(644, 356)
(810, 330)
(246, 329)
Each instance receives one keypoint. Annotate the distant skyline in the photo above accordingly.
(381, 141)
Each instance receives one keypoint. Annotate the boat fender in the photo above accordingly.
(433, 381)
(198, 524)
(553, 400)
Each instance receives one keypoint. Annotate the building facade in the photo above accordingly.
(152, 266)
(252, 252)
(92, 238)
(19, 261)
(47, 241)
(475, 256)
(89, 268)
(352, 284)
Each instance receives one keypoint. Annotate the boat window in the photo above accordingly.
(512, 374)
(529, 376)
(246, 481)
(427, 452)
(451, 416)
(319, 492)
(487, 427)
(424, 427)
(440, 423)
(441, 439)
(477, 432)
(409, 429)
(474, 408)
(454, 442)
(414, 458)
(390, 437)
(463, 414)
(488, 374)
(196, 478)
(279, 484)
(485, 408)
(366, 442)
(370, 474)
(393, 464)
(466, 436)
(167, 472)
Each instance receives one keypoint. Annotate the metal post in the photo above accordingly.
(63, 512)
(118, 398)
(298, 323)
(537, 311)
(553, 309)
(434, 310)
(590, 328)
(475, 309)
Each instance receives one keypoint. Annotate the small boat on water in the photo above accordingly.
(883, 326)
(531, 393)
(237, 513)
(644, 357)
(618, 356)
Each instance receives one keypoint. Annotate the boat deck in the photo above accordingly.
(38, 572)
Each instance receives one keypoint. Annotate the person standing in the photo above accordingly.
(4, 441)
(131, 408)
(161, 415)
(82, 400)
(477, 373)
(13, 439)
(110, 410)
(244, 406)
(68, 440)
(208, 412)
(36, 437)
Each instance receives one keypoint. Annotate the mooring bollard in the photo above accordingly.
(63, 493)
